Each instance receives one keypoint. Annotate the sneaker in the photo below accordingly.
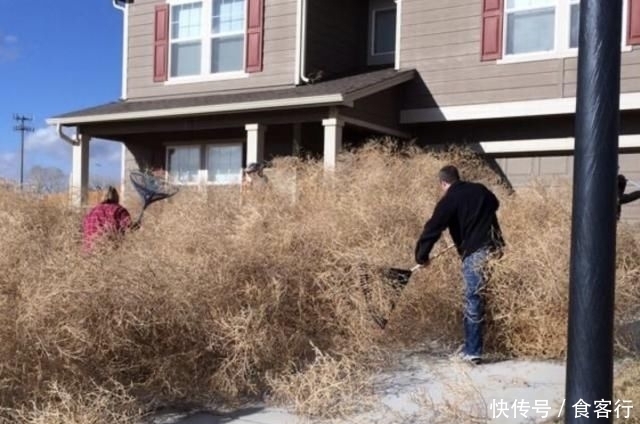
(472, 359)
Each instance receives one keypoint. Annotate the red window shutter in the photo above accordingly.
(255, 18)
(161, 43)
(633, 31)
(492, 12)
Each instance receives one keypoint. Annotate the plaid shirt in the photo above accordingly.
(104, 219)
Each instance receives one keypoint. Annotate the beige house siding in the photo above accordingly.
(442, 40)
(278, 56)
(550, 170)
(381, 108)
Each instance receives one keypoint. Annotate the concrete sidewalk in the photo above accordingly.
(427, 389)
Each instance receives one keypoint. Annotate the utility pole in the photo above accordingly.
(21, 125)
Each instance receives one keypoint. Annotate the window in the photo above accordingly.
(227, 32)
(183, 164)
(222, 163)
(530, 26)
(207, 37)
(382, 32)
(542, 27)
(574, 26)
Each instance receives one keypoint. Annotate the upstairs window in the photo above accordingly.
(227, 36)
(382, 32)
(530, 26)
(186, 39)
(542, 28)
(207, 37)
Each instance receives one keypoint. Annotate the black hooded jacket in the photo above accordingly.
(468, 210)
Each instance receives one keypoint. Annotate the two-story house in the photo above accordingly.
(210, 85)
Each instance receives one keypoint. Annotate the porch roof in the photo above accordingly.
(337, 92)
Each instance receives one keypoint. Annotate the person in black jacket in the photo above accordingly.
(468, 210)
(622, 197)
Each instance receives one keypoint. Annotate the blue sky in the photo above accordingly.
(56, 57)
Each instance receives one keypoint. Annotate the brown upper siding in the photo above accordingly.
(279, 54)
(442, 40)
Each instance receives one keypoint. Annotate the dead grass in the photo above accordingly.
(627, 388)
(221, 298)
(327, 388)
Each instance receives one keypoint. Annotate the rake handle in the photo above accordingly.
(446, 249)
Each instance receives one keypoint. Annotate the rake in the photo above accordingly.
(397, 278)
(151, 189)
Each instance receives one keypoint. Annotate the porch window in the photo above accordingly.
(207, 37)
(183, 164)
(205, 163)
(224, 164)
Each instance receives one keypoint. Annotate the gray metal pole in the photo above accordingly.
(593, 238)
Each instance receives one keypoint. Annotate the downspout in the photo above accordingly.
(398, 33)
(73, 141)
(296, 70)
(303, 42)
(122, 6)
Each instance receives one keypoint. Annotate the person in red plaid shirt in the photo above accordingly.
(107, 219)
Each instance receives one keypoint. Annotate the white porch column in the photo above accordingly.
(332, 141)
(80, 171)
(255, 142)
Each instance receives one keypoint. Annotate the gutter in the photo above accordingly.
(291, 102)
(122, 5)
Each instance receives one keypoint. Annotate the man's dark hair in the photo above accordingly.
(449, 174)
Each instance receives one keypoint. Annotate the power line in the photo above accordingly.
(22, 127)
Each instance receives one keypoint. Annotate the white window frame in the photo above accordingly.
(562, 35)
(203, 159)
(205, 40)
(223, 144)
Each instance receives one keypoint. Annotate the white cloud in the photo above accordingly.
(44, 145)
(8, 167)
(46, 142)
(9, 48)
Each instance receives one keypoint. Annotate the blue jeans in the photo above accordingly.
(474, 278)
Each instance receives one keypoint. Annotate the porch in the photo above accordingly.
(209, 139)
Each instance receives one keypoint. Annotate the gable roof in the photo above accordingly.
(341, 91)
